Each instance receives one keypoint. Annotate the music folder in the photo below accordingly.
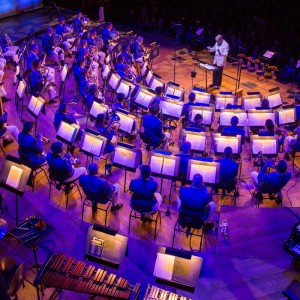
(258, 117)
(227, 114)
(35, 105)
(98, 108)
(93, 145)
(126, 157)
(127, 121)
(206, 112)
(221, 142)
(274, 99)
(251, 102)
(196, 138)
(143, 98)
(201, 97)
(223, 100)
(125, 87)
(67, 132)
(171, 109)
(209, 170)
(286, 116)
(268, 145)
(163, 164)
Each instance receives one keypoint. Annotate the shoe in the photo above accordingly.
(108, 169)
(208, 226)
(116, 207)
(69, 55)
(94, 207)
(217, 87)
(6, 142)
(211, 85)
(286, 156)
(51, 101)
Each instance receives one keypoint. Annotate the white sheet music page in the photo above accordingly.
(178, 93)
(126, 123)
(21, 88)
(269, 147)
(221, 102)
(251, 103)
(113, 81)
(208, 172)
(97, 109)
(286, 116)
(169, 166)
(202, 98)
(275, 100)
(259, 119)
(170, 109)
(14, 177)
(156, 164)
(170, 91)
(268, 54)
(155, 84)
(223, 142)
(63, 73)
(66, 131)
(164, 266)
(123, 88)
(35, 105)
(257, 146)
(105, 71)
(148, 77)
(206, 114)
(124, 157)
(92, 144)
(197, 141)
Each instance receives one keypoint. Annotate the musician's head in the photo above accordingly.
(109, 25)
(93, 169)
(120, 59)
(83, 43)
(27, 127)
(265, 104)
(85, 73)
(219, 38)
(34, 48)
(234, 121)
(197, 181)
(63, 108)
(93, 33)
(100, 120)
(93, 89)
(198, 120)
(159, 90)
(145, 172)
(154, 109)
(50, 31)
(186, 147)
(57, 148)
(81, 62)
(228, 152)
(79, 14)
(269, 125)
(192, 97)
(282, 166)
(36, 64)
(120, 97)
(62, 20)
(139, 79)
(126, 48)
(140, 39)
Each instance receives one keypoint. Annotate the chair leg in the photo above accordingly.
(82, 212)
(50, 190)
(174, 233)
(129, 222)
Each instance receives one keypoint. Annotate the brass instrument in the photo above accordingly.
(262, 159)
(85, 22)
(68, 29)
(57, 40)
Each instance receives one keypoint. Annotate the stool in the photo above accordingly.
(292, 291)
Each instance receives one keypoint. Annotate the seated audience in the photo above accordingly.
(144, 196)
(99, 190)
(196, 198)
(31, 149)
(60, 166)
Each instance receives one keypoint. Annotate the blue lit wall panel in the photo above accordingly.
(12, 7)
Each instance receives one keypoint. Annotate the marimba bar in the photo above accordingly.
(65, 273)
(155, 293)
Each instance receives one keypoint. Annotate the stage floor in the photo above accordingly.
(226, 274)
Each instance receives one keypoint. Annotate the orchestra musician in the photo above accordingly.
(77, 23)
(99, 56)
(7, 130)
(2, 61)
(109, 34)
(93, 95)
(8, 49)
(139, 53)
(56, 53)
(60, 30)
(221, 49)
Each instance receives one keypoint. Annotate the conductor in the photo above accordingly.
(221, 49)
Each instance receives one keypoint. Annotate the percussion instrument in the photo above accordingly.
(156, 293)
(65, 273)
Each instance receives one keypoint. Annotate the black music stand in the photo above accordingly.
(127, 158)
(207, 68)
(185, 267)
(105, 246)
(291, 91)
(10, 166)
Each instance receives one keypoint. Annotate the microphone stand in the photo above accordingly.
(291, 91)
(175, 56)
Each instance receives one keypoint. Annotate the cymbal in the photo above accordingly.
(3, 228)
(7, 263)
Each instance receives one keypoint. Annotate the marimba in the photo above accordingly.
(65, 273)
(155, 293)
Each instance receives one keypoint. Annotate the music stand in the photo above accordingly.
(291, 91)
(154, 52)
(127, 121)
(221, 141)
(96, 109)
(223, 99)
(172, 89)
(197, 139)
(14, 177)
(274, 99)
(148, 77)
(127, 158)
(207, 68)
(286, 115)
(171, 109)
(125, 87)
(267, 145)
(177, 268)
(67, 133)
(105, 246)
(206, 112)
(143, 98)
(155, 82)
(201, 97)
(258, 117)
(227, 114)
(251, 101)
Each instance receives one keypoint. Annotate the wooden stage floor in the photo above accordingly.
(252, 266)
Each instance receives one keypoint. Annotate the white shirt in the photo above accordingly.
(221, 52)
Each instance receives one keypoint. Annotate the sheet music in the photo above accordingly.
(197, 141)
(268, 54)
(251, 103)
(169, 166)
(274, 100)
(68, 132)
(265, 146)
(155, 83)
(123, 88)
(21, 88)
(259, 119)
(169, 91)
(164, 266)
(97, 109)
(14, 177)
(202, 98)
(171, 109)
(208, 172)
(113, 81)
(156, 164)
(148, 77)
(35, 105)
(206, 114)
(143, 99)
(286, 116)
(178, 93)
(225, 118)
(63, 73)
(126, 123)
(124, 157)
(207, 66)
(223, 142)
(92, 144)
(105, 71)
(221, 102)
